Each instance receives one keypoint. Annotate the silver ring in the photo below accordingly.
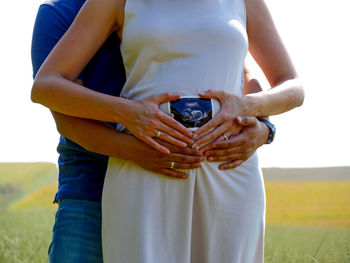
(172, 165)
(225, 137)
(158, 133)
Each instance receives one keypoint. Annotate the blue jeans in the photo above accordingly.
(76, 234)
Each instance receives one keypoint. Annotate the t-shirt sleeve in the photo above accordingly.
(49, 27)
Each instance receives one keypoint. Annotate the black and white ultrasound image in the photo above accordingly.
(192, 112)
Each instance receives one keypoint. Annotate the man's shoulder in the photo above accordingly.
(63, 3)
(52, 20)
(65, 9)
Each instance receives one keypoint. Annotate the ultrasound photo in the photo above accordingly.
(192, 112)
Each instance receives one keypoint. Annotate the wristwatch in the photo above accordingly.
(272, 130)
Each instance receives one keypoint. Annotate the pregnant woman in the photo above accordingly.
(187, 46)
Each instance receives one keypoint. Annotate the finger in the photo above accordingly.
(211, 136)
(189, 151)
(164, 97)
(216, 121)
(223, 152)
(219, 141)
(183, 140)
(233, 142)
(175, 149)
(214, 94)
(209, 146)
(222, 137)
(230, 165)
(222, 133)
(225, 158)
(154, 144)
(227, 135)
(208, 95)
(187, 165)
(181, 158)
(174, 173)
(168, 120)
(167, 138)
(246, 120)
(218, 145)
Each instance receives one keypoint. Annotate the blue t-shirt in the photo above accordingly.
(81, 173)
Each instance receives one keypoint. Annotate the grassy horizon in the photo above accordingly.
(306, 221)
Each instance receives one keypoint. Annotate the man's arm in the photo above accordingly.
(54, 85)
(96, 136)
(49, 27)
(100, 138)
(251, 84)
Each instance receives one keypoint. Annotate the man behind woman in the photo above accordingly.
(76, 235)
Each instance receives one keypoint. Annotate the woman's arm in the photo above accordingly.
(269, 52)
(252, 134)
(100, 138)
(54, 85)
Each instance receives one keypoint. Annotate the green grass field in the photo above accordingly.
(17, 180)
(306, 221)
(25, 236)
(305, 203)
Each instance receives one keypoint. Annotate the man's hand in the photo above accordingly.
(238, 148)
(158, 162)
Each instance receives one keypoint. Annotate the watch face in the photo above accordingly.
(192, 112)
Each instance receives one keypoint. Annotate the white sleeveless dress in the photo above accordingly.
(214, 216)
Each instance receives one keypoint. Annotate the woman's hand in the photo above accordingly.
(224, 122)
(144, 120)
(155, 161)
(238, 148)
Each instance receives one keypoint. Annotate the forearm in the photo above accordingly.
(69, 98)
(94, 136)
(100, 138)
(279, 99)
(142, 118)
(269, 52)
(251, 84)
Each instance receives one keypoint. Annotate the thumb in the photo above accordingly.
(164, 97)
(246, 120)
(215, 94)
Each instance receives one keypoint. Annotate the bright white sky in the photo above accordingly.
(316, 33)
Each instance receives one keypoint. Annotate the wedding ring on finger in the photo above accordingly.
(158, 133)
(172, 165)
(226, 139)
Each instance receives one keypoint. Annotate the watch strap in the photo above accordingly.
(272, 130)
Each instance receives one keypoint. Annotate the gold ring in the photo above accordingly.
(225, 137)
(158, 133)
(172, 164)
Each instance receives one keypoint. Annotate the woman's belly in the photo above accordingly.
(188, 76)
